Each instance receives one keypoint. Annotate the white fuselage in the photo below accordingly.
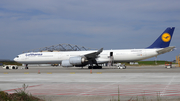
(125, 55)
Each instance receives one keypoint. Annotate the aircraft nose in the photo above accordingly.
(15, 59)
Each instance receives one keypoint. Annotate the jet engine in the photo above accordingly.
(65, 63)
(73, 61)
(77, 60)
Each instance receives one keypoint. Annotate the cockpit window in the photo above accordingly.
(17, 56)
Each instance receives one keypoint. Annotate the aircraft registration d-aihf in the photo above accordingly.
(93, 58)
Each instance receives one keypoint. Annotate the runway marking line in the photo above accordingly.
(5, 73)
(49, 73)
(26, 73)
(72, 73)
(99, 72)
(167, 86)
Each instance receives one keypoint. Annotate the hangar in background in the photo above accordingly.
(61, 47)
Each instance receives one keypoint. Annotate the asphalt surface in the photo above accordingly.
(129, 69)
(64, 84)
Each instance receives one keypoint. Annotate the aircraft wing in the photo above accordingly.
(93, 55)
(164, 50)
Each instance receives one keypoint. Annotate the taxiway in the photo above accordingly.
(61, 84)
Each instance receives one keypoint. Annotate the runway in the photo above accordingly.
(59, 84)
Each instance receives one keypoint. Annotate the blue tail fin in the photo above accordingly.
(164, 39)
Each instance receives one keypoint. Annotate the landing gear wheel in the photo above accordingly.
(90, 67)
(95, 67)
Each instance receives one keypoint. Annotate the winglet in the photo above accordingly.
(94, 54)
(99, 51)
(164, 39)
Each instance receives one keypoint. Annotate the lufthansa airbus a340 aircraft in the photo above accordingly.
(83, 58)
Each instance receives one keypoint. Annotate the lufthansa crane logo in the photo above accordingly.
(166, 37)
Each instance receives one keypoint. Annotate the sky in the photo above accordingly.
(109, 24)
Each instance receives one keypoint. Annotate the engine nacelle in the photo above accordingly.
(77, 60)
(65, 63)
(73, 61)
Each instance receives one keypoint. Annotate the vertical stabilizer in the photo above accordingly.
(164, 39)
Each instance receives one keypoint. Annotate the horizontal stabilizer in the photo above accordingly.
(164, 50)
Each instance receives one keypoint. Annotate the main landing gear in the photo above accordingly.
(94, 67)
